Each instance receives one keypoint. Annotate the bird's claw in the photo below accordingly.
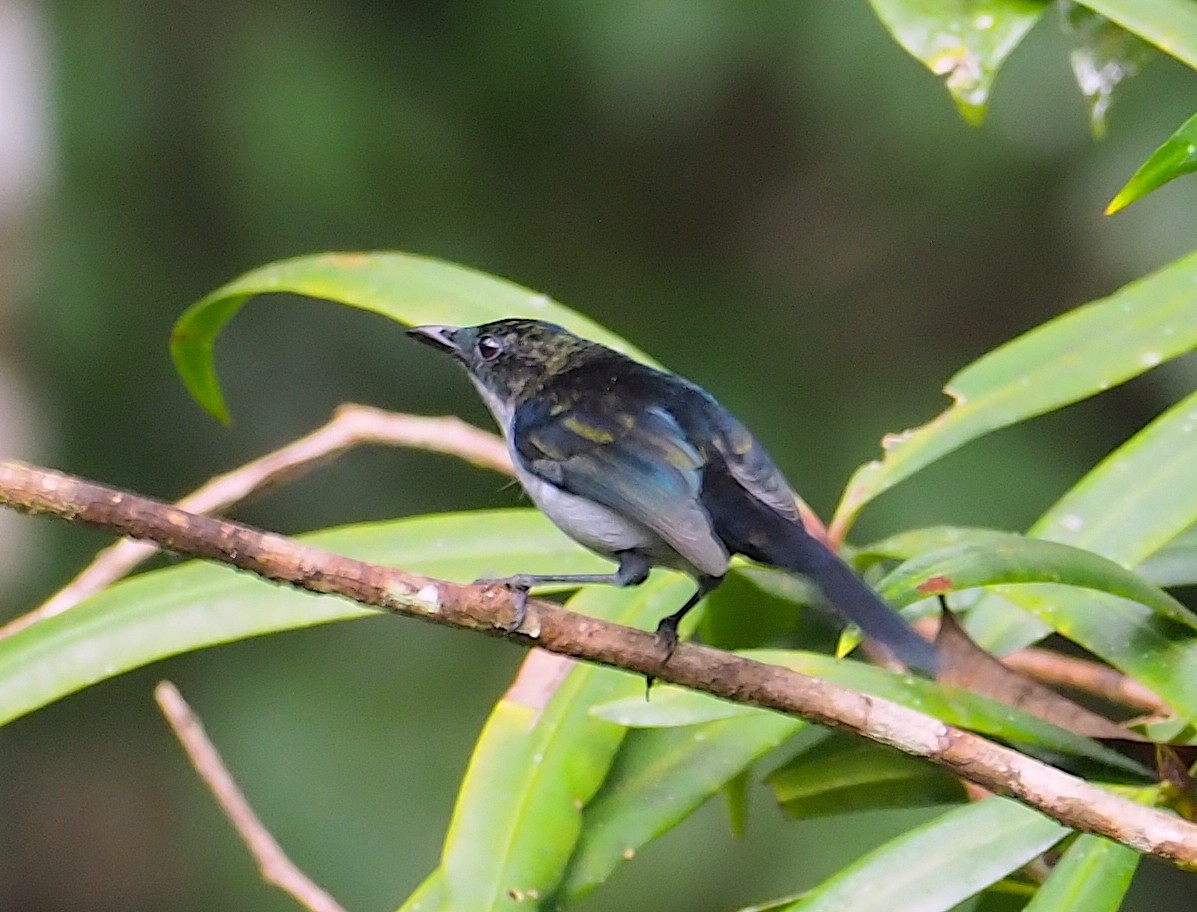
(667, 636)
(518, 588)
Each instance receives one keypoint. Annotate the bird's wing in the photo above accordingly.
(745, 458)
(637, 463)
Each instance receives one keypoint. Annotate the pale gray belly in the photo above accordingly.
(589, 523)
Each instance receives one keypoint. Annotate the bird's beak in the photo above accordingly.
(438, 337)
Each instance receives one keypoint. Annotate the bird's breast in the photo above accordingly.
(586, 522)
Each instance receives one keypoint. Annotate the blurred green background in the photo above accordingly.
(771, 197)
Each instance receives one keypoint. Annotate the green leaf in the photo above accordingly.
(965, 41)
(993, 559)
(1092, 876)
(193, 605)
(539, 760)
(1103, 55)
(961, 708)
(940, 863)
(842, 773)
(1171, 25)
(1175, 564)
(659, 778)
(407, 288)
(429, 896)
(1135, 501)
(1074, 356)
(1175, 158)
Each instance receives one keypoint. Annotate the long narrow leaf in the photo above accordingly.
(995, 559)
(660, 777)
(166, 612)
(940, 864)
(1092, 876)
(1175, 158)
(1137, 500)
(1070, 358)
(407, 288)
(540, 758)
(954, 706)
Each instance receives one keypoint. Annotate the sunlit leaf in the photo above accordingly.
(1092, 876)
(941, 863)
(539, 760)
(994, 559)
(658, 779)
(165, 612)
(1175, 158)
(407, 288)
(965, 41)
(841, 774)
(1069, 358)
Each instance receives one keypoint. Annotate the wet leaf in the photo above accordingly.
(1103, 55)
(964, 41)
(1170, 25)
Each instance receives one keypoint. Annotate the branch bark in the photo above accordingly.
(487, 609)
(274, 864)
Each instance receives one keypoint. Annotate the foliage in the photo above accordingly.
(555, 800)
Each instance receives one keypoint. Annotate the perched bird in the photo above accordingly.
(649, 470)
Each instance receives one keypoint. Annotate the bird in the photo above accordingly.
(647, 469)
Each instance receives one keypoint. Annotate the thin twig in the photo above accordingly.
(350, 426)
(276, 867)
(489, 609)
(1088, 677)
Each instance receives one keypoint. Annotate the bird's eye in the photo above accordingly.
(489, 348)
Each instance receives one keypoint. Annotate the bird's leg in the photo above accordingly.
(667, 628)
(632, 571)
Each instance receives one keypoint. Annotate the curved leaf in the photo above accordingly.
(165, 612)
(1067, 359)
(941, 863)
(996, 559)
(539, 759)
(1135, 501)
(966, 43)
(407, 288)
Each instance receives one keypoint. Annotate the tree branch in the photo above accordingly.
(350, 426)
(1068, 799)
(276, 867)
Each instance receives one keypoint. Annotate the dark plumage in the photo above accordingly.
(648, 469)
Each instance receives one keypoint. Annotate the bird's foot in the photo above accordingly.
(667, 637)
(518, 586)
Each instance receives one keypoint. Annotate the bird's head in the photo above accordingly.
(508, 360)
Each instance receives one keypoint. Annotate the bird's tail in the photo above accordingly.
(855, 600)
